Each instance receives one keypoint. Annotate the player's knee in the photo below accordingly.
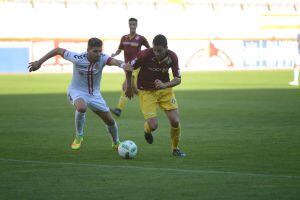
(110, 122)
(81, 109)
(152, 122)
(175, 123)
(153, 126)
(80, 105)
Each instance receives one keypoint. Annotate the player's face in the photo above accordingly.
(94, 54)
(159, 51)
(132, 26)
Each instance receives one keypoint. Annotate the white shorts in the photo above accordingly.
(94, 102)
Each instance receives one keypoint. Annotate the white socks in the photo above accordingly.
(296, 75)
(113, 131)
(79, 123)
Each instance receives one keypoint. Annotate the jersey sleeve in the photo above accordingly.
(72, 56)
(121, 44)
(106, 59)
(145, 43)
(175, 66)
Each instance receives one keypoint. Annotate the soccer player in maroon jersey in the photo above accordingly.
(155, 88)
(131, 44)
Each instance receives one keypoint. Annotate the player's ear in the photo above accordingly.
(166, 49)
(89, 48)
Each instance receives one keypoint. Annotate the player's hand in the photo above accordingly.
(33, 66)
(128, 67)
(159, 85)
(113, 55)
(129, 92)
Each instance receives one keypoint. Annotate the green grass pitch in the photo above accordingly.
(240, 130)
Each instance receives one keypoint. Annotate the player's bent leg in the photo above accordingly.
(148, 104)
(80, 117)
(173, 117)
(122, 102)
(149, 126)
(153, 123)
(111, 126)
(80, 105)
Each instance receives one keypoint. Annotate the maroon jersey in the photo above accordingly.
(132, 46)
(152, 69)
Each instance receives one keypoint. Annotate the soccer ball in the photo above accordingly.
(127, 149)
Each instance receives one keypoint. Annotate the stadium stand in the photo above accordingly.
(187, 23)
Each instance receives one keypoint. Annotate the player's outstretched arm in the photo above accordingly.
(116, 53)
(116, 62)
(121, 64)
(128, 69)
(35, 65)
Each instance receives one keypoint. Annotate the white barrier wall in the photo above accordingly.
(194, 55)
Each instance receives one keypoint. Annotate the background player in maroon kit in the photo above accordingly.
(155, 88)
(131, 44)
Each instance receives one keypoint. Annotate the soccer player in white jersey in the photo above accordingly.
(84, 90)
(295, 82)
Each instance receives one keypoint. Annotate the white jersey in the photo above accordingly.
(86, 76)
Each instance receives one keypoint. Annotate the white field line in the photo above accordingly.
(160, 169)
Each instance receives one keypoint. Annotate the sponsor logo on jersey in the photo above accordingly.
(158, 69)
(133, 44)
(80, 57)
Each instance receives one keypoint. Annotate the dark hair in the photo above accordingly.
(160, 40)
(132, 20)
(95, 42)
